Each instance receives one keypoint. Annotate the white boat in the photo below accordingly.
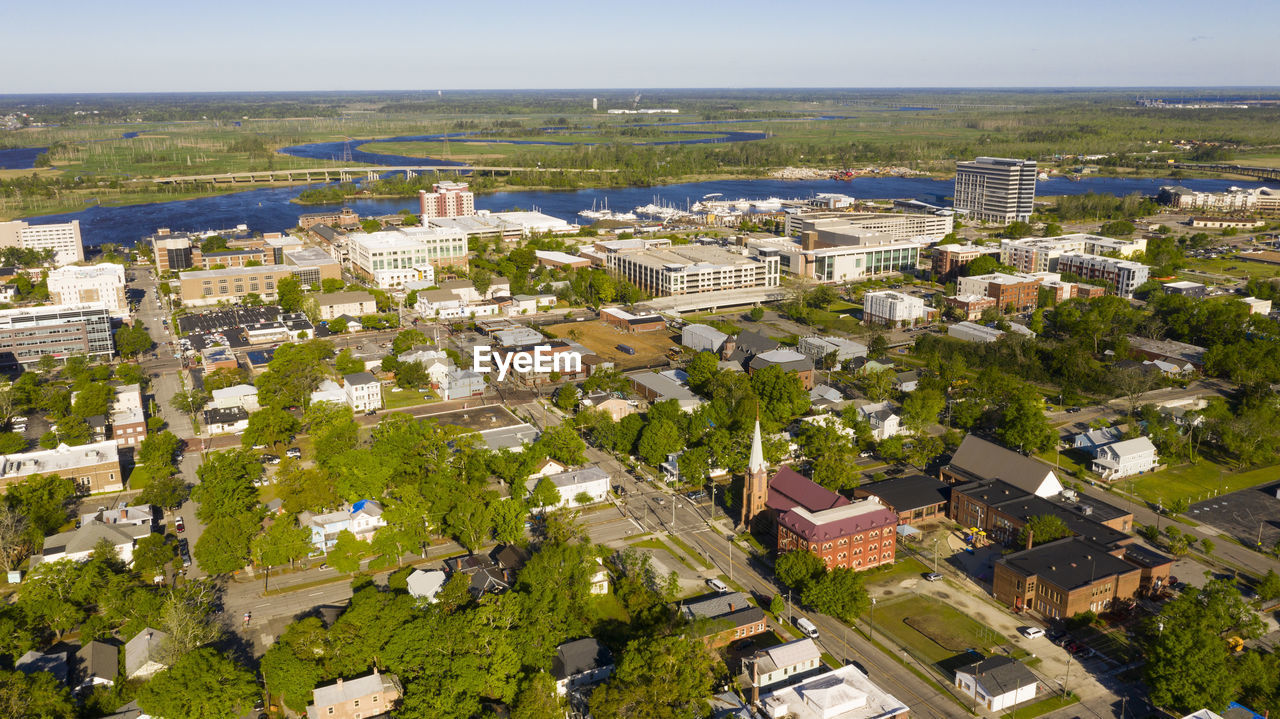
(771, 204)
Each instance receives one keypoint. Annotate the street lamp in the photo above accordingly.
(871, 614)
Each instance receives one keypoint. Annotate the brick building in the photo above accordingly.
(1064, 578)
(1020, 291)
(858, 535)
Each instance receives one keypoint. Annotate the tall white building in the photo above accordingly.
(447, 199)
(1040, 254)
(62, 238)
(389, 258)
(996, 189)
(77, 284)
(892, 308)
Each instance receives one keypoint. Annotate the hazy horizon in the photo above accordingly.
(148, 46)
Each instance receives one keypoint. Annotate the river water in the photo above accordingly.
(270, 210)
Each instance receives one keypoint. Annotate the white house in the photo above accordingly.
(362, 519)
(997, 683)
(783, 662)
(579, 663)
(592, 480)
(1095, 439)
(233, 420)
(600, 580)
(244, 396)
(363, 392)
(78, 544)
(329, 391)
(426, 584)
(1125, 459)
(884, 423)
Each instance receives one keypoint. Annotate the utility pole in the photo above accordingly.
(935, 556)
(871, 614)
(1067, 675)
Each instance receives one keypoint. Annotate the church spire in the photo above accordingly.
(756, 464)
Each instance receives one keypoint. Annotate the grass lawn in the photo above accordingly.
(1072, 462)
(404, 398)
(933, 629)
(1194, 481)
(905, 567)
(1042, 707)
(659, 544)
(690, 551)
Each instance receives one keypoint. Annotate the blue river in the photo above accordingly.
(270, 210)
(20, 158)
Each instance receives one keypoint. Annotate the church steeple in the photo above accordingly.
(755, 491)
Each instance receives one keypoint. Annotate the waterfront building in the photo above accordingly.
(447, 199)
(996, 189)
(29, 333)
(388, 258)
(690, 269)
(80, 284)
(62, 238)
(1041, 254)
(896, 226)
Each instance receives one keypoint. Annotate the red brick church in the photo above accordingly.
(854, 535)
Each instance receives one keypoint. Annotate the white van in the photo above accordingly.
(807, 627)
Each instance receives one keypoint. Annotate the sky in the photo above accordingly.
(55, 46)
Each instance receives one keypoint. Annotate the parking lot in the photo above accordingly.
(1244, 514)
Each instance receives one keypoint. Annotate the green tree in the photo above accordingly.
(331, 284)
(133, 340)
(151, 555)
(538, 699)
(1025, 426)
(223, 546)
(921, 408)
(226, 486)
(702, 368)
(166, 490)
(544, 494)
(190, 402)
(563, 444)
(289, 294)
(346, 553)
(269, 425)
(838, 593)
(876, 385)
(407, 340)
(289, 676)
(347, 363)
(283, 542)
(567, 398)
(659, 439)
(1269, 586)
(1042, 528)
(797, 569)
(658, 678)
(12, 443)
(201, 684)
(34, 696)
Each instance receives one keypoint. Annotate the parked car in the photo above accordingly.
(807, 627)
(270, 459)
(184, 551)
(932, 577)
(1031, 632)
(718, 585)
(293, 452)
(259, 446)
(178, 524)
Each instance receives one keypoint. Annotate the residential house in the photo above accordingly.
(362, 520)
(1125, 459)
(54, 663)
(610, 403)
(788, 662)
(884, 422)
(141, 654)
(581, 663)
(128, 420)
(146, 515)
(844, 693)
(363, 698)
(906, 381)
(329, 391)
(591, 481)
(463, 384)
(426, 584)
(746, 345)
(232, 420)
(786, 360)
(97, 664)
(93, 467)
(244, 396)
(1095, 439)
(997, 683)
(486, 576)
(731, 617)
(363, 392)
(77, 544)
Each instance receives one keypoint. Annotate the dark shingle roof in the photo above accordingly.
(981, 459)
(1000, 675)
(1067, 563)
(580, 656)
(914, 491)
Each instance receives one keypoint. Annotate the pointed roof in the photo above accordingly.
(756, 464)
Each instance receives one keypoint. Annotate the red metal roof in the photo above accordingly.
(789, 489)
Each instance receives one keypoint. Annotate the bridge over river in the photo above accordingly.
(347, 174)
(1262, 173)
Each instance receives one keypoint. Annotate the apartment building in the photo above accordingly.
(93, 467)
(996, 189)
(174, 251)
(447, 199)
(893, 309)
(347, 217)
(1123, 276)
(858, 535)
(363, 392)
(835, 257)
(950, 260)
(128, 420)
(80, 284)
(1019, 292)
(63, 239)
(895, 226)
(690, 269)
(29, 333)
(1234, 199)
(1041, 254)
(389, 258)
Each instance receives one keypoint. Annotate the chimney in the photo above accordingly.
(339, 682)
(1031, 533)
(124, 513)
(731, 606)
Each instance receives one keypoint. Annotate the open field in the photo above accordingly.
(934, 630)
(603, 340)
(1195, 482)
(1235, 266)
